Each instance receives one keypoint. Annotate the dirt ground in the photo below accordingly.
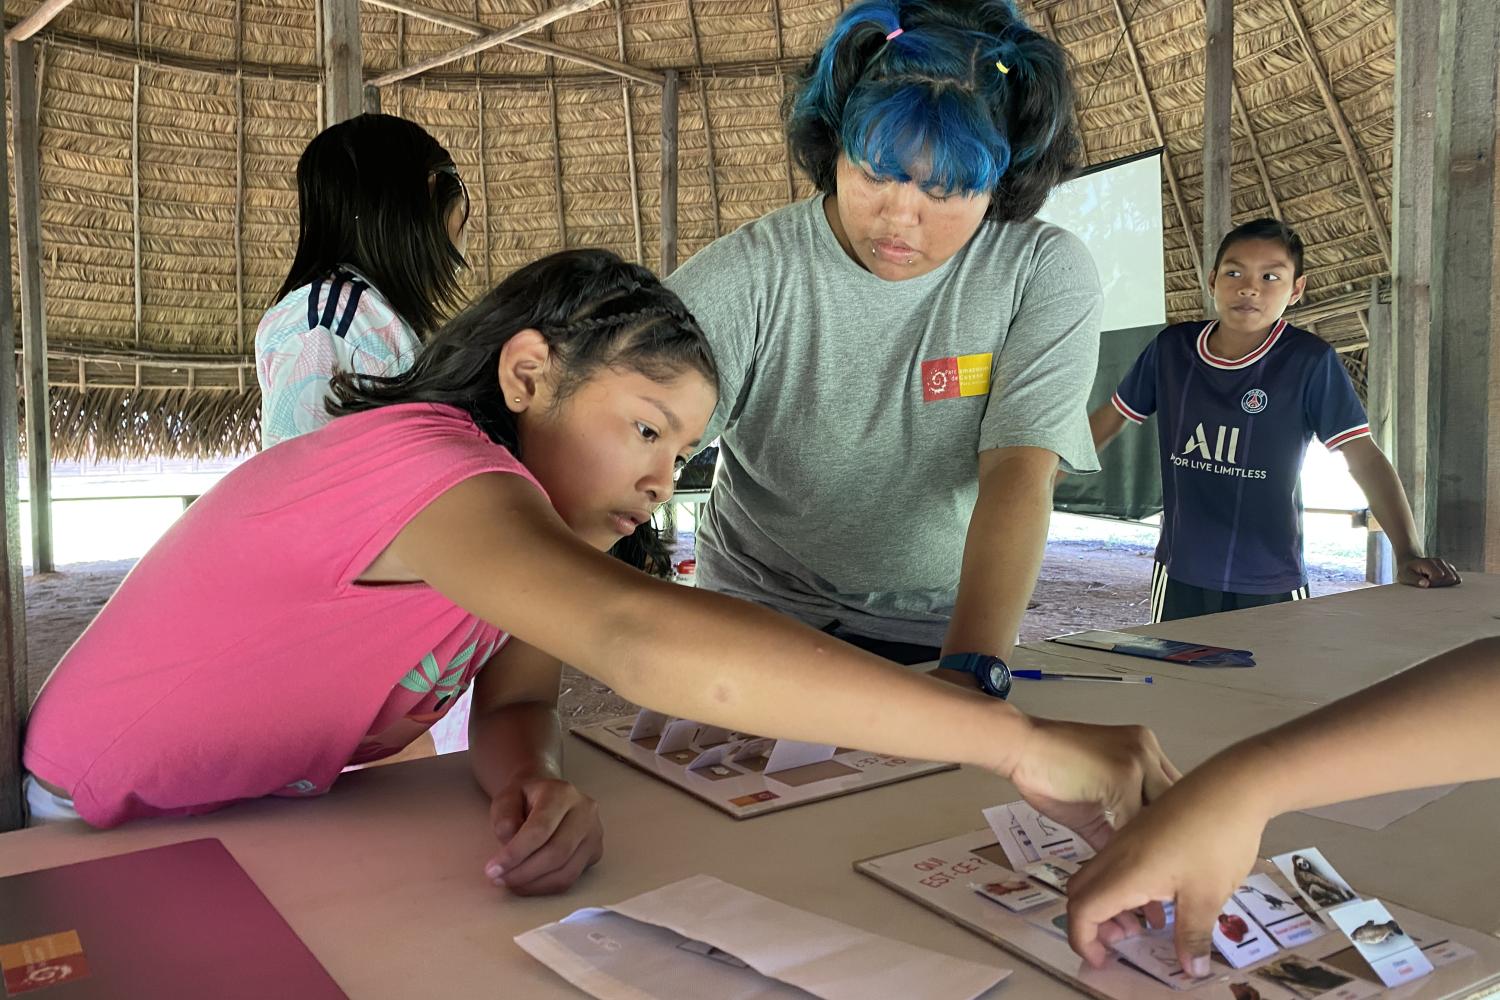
(1096, 575)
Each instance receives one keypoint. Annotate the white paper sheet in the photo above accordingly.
(1379, 811)
(652, 946)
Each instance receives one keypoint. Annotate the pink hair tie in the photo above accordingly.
(898, 31)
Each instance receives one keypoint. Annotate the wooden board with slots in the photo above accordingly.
(745, 775)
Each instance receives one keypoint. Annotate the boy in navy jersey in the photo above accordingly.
(1237, 400)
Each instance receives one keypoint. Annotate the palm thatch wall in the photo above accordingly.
(170, 131)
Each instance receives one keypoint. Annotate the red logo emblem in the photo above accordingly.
(939, 379)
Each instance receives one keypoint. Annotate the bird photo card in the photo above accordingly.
(1315, 878)
(1393, 955)
(1274, 909)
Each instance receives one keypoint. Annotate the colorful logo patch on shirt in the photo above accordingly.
(953, 378)
(1254, 401)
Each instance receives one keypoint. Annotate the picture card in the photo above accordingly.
(677, 735)
(647, 725)
(1393, 955)
(1155, 954)
(1052, 919)
(1050, 838)
(1307, 979)
(1011, 836)
(1317, 880)
(712, 736)
(1239, 938)
(1441, 953)
(713, 756)
(787, 754)
(1274, 909)
(1053, 871)
(751, 748)
(1016, 895)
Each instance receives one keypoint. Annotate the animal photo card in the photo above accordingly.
(1317, 880)
(1393, 955)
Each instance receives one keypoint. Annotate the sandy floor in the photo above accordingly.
(1096, 575)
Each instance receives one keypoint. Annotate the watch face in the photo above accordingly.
(999, 677)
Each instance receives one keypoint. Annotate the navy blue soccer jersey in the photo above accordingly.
(1233, 435)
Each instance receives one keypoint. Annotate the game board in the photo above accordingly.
(745, 775)
(1272, 942)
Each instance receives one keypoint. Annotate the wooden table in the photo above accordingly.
(1322, 649)
(382, 877)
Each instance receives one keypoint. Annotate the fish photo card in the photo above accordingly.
(1317, 880)
(1239, 938)
(1391, 953)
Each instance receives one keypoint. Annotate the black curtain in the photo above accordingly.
(1129, 483)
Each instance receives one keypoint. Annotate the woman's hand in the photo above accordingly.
(549, 832)
(1193, 847)
(1091, 778)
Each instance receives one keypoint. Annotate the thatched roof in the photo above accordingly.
(226, 98)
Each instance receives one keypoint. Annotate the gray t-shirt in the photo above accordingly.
(853, 409)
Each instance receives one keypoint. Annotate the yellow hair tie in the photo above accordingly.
(1002, 67)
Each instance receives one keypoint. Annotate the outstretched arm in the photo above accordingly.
(493, 545)
(1433, 724)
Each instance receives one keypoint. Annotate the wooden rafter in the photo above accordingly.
(635, 181)
(239, 184)
(786, 143)
(486, 42)
(1050, 30)
(1155, 123)
(1341, 127)
(708, 130)
(37, 20)
(541, 48)
(557, 169)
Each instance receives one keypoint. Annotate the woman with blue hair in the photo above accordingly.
(905, 358)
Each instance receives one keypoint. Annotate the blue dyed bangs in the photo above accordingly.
(942, 138)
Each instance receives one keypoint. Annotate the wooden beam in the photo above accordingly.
(786, 142)
(1341, 127)
(557, 170)
(669, 175)
(1166, 155)
(14, 696)
(26, 137)
(343, 86)
(485, 42)
(1411, 264)
(484, 195)
(372, 99)
(1218, 145)
(239, 181)
(541, 48)
(1375, 320)
(1465, 397)
(37, 20)
(708, 131)
(635, 180)
(135, 196)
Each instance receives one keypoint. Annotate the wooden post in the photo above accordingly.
(1218, 150)
(13, 687)
(1464, 428)
(635, 180)
(372, 99)
(1411, 271)
(343, 85)
(26, 138)
(557, 169)
(1379, 385)
(669, 174)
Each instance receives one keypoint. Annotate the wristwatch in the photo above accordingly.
(990, 672)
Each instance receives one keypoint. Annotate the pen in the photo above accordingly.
(1049, 675)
